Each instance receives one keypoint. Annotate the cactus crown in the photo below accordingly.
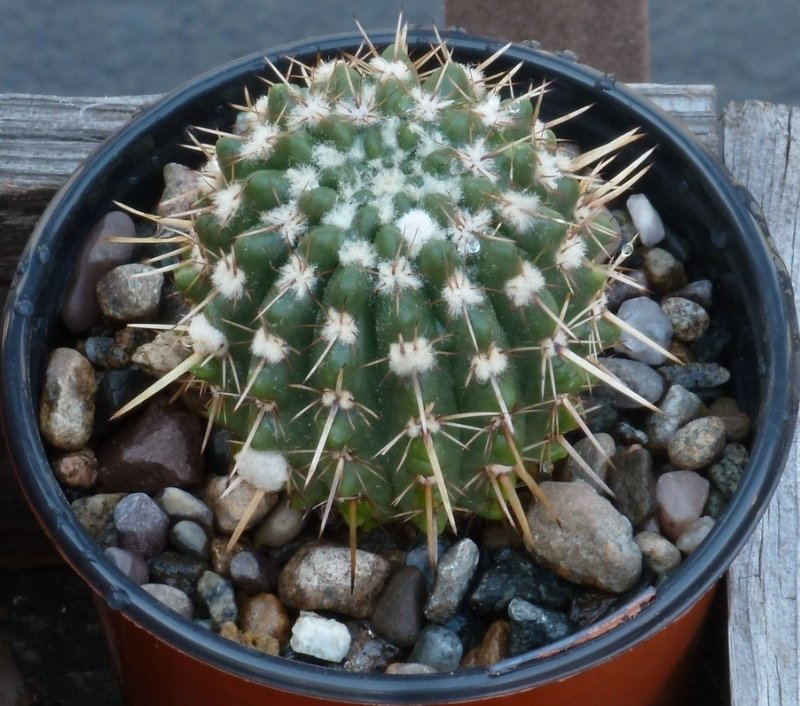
(397, 274)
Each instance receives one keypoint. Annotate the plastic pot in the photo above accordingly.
(642, 660)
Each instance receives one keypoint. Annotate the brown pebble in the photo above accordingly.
(492, 649)
(263, 614)
(77, 469)
(737, 423)
(221, 556)
(230, 507)
(66, 408)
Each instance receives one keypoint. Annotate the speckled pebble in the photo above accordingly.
(141, 524)
(253, 572)
(726, 472)
(180, 504)
(368, 652)
(660, 555)
(697, 443)
(398, 612)
(130, 293)
(664, 271)
(173, 598)
(178, 570)
(689, 320)
(696, 376)
(191, 539)
(637, 376)
(681, 497)
(97, 256)
(77, 469)
(66, 405)
(437, 647)
(96, 514)
(217, 595)
(453, 575)
(129, 563)
(647, 317)
(532, 626)
(694, 534)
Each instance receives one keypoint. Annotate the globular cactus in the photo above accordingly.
(397, 275)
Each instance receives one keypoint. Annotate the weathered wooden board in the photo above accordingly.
(762, 150)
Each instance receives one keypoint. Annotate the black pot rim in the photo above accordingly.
(770, 446)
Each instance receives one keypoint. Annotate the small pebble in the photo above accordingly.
(318, 578)
(77, 469)
(664, 271)
(129, 563)
(263, 614)
(323, 638)
(180, 190)
(532, 626)
(182, 505)
(173, 598)
(161, 355)
(130, 293)
(726, 472)
(97, 256)
(453, 575)
(217, 594)
(97, 349)
(716, 504)
(700, 291)
(620, 291)
(592, 542)
(626, 433)
(368, 653)
(409, 668)
(689, 320)
(678, 407)
(660, 555)
(646, 220)
(636, 376)
(96, 514)
(252, 572)
(633, 483)
(696, 376)
(66, 406)
(597, 459)
(228, 503)
(141, 524)
(255, 640)
(191, 539)
(418, 556)
(694, 534)
(221, 556)
(681, 497)
(398, 612)
(737, 423)
(493, 647)
(697, 443)
(177, 570)
(281, 527)
(114, 390)
(437, 647)
(647, 317)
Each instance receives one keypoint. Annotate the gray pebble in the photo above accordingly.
(532, 626)
(177, 570)
(97, 349)
(438, 648)
(281, 527)
(129, 563)
(689, 320)
(694, 534)
(647, 317)
(700, 291)
(253, 573)
(368, 653)
(217, 595)
(130, 293)
(678, 407)
(637, 376)
(664, 271)
(598, 459)
(180, 190)
(191, 539)
(633, 483)
(179, 505)
(626, 433)
(66, 405)
(453, 575)
(696, 376)
(697, 443)
(141, 524)
(620, 292)
(173, 598)
(726, 472)
(398, 612)
(660, 555)
(161, 355)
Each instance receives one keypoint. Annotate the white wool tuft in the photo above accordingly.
(260, 141)
(475, 157)
(427, 106)
(265, 470)
(418, 228)
(228, 279)
(269, 347)
(646, 220)
(342, 214)
(297, 276)
(206, 339)
(323, 638)
(490, 364)
(571, 254)
(358, 252)
(408, 358)
(518, 209)
(226, 202)
(467, 228)
(459, 294)
(522, 289)
(396, 275)
(312, 111)
(339, 326)
(302, 179)
(287, 220)
(552, 166)
(386, 69)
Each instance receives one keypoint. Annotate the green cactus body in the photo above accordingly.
(397, 274)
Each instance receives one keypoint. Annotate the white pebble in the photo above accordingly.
(646, 220)
(319, 637)
(644, 315)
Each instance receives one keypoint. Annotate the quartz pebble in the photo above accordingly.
(130, 292)
(323, 638)
(217, 594)
(159, 448)
(637, 377)
(263, 614)
(689, 320)
(190, 539)
(77, 469)
(697, 443)
(437, 647)
(173, 598)
(532, 626)
(645, 219)
(398, 612)
(681, 496)
(66, 408)
(660, 555)
(318, 578)
(647, 317)
(453, 575)
(592, 542)
(98, 255)
(141, 524)
(694, 534)
(129, 563)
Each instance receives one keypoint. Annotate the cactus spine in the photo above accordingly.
(397, 275)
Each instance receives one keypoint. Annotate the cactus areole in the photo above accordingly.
(397, 277)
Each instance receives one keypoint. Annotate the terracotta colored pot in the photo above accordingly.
(636, 661)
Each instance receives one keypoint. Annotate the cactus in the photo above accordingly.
(397, 277)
